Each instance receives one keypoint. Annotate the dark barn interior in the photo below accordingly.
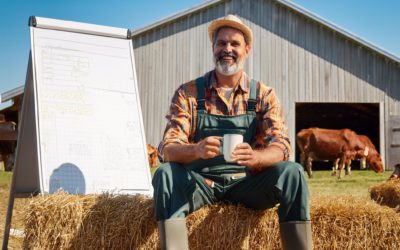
(363, 118)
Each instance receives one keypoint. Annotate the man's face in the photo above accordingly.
(230, 51)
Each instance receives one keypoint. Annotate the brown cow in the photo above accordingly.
(340, 146)
(303, 142)
(368, 145)
(365, 150)
(396, 172)
(323, 144)
(360, 148)
(152, 155)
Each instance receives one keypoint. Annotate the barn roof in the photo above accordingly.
(289, 5)
(10, 94)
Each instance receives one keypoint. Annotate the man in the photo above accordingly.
(194, 173)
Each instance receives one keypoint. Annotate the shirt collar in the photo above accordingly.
(244, 81)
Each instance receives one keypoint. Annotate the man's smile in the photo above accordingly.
(227, 58)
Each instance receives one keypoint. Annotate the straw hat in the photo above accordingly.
(230, 21)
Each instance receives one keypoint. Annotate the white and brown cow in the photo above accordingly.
(365, 150)
(340, 146)
(396, 172)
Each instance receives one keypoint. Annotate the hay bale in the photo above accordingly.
(353, 223)
(387, 193)
(62, 221)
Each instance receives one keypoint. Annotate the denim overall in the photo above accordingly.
(180, 189)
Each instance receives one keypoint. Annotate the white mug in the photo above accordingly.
(230, 141)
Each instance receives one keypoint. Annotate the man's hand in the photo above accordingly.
(257, 159)
(185, 153)
(246, 156)
(209, 147)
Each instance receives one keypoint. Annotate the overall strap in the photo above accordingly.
(254, 92)
(200, 94)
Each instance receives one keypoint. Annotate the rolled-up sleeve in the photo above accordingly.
(272, 129)
(178, 122)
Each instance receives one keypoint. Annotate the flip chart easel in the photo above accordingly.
(81, 128)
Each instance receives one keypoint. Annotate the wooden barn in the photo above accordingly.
(324, 76)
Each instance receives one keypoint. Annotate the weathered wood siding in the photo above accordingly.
(304, 60)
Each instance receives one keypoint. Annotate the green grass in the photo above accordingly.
(5, 179)
(322, 183)
(358, 184)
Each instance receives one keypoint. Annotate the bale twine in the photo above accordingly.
(387, 193)
(62, 221)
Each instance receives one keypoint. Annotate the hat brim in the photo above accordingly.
(215, 25)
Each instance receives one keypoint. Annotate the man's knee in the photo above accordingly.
(291, 177)
(290, 169)
(170, 175)
(162, 176)
(163, 170)
(294, 169)
(168, 169)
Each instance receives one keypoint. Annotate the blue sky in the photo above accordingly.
(376, 21)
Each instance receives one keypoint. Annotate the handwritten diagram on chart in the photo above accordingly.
(90, 131)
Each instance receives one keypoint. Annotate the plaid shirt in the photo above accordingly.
(182, 115)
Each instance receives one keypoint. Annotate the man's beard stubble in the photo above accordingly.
(226, 69)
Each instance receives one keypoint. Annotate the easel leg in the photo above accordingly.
(7, 226)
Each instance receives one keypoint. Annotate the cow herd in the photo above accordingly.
(340, 146)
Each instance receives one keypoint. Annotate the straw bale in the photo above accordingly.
(62, 221)
(353, 223)
(387, 193)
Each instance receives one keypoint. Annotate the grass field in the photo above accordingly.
(358, 184)
(17, 219)
(322, 184)
(5, 179)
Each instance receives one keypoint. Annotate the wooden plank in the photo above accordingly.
(395, 85)
(269, 35)
(321, 66)
(285, 72)
(291, 63)
(328, 92)
(308, 85)
(8, 136)
(334, 69)
(302, 60)
(341, 73)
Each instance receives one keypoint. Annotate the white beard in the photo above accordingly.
(226, 69)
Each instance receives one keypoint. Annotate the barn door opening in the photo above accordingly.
(363, 118)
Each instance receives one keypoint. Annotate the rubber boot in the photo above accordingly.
(296, 235)
(173, 234)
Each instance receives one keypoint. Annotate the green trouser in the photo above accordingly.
(182, 189)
